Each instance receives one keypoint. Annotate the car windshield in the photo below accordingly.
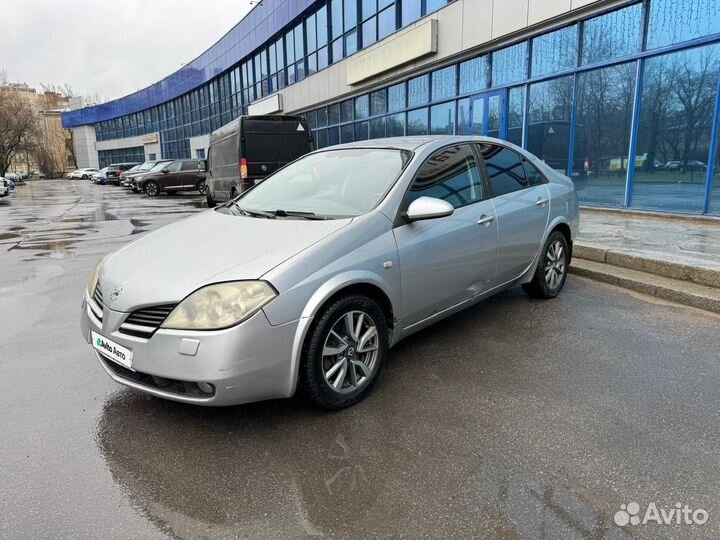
(333, 183)
(159, 166)
(146, 166)
(135, 168)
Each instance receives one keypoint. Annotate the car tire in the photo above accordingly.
(552, 269)
(151, 189)
(84, 177)
(210, 201)
(201, 187)
(328, 379)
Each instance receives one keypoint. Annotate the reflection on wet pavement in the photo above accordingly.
(514, 419)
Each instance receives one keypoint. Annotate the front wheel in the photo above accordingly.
(344, 352)
(552, 268)
(210, 201)
(84, 177)
(151, 189)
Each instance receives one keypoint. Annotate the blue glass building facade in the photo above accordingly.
(624, 100)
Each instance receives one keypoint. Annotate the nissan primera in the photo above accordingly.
(309, 278)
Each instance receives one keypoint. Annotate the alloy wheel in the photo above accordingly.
(350, 352)
(202, 187)
(151, 188)
(555, 265)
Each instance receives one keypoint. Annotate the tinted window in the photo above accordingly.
(505, 170)
(451, 174)
(534, 177)
(190, 165)
(174, 166)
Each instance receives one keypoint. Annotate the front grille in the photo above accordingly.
(144, 322)
(174, 386)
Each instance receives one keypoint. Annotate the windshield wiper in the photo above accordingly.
(252, 213)
(292, 213)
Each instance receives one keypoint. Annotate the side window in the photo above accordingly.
(174, 166)
(535, 177)
(452, 174)
(189, 166)
(505, 169)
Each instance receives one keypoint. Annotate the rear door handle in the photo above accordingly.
(485, 220)
(541, 201)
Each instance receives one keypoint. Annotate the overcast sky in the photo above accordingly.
(112, 47)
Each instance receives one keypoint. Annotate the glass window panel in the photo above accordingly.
(369, 32)
(674, 21)
(300, 70)
(336, 24)
(395, 125)
(333, 136)
(378, 102)
(361, 131)
(377, 128)
(613, 35)
(411, 11)
(516, 113)
(556, 51)
(321, 22)
(385, 3)
(417, 122)
(362, 107)
(444, 83)
(299, 45)
(369, 7)
(333, 114)
(350, 14)
(386, 22)
(350, 43)
(676, 113)
(312, 61)
(463, 117)
(549, 121)
(322, 117)
(602, 134)
(346, 111)
(337, 50)
(321, 138)
(396, 98)
(418, 90)
(290, 47)
(473, 75)
(714, 206)
(347, 133)
(322, 58)
(510, 64)
(434, 5)
(442, 119)
(311, 33)
(280, 54)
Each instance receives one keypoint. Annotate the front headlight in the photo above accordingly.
(95, 276)
(220, 306)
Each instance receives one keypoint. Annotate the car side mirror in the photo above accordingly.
(428, 208)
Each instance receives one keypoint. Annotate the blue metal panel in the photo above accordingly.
(254, 30)
(713, 148)
(634, 133)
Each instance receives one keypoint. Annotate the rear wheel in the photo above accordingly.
(151, 189)
(201, 187)
(551, 272)
(84, 176)
(344, 352)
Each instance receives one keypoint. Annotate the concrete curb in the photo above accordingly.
(715, 220)
(674, 290)
(702, 275)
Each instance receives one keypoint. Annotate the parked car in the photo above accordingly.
(125, 174)
(251, 148)
(9, 183)
(179, 175)
(155, 167)
(691, 165)
(4, 187)
(13, 176)
(307, 279)
(99, 177)
(116, 169)
(83, 174)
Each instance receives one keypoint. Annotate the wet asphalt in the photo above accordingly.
(513, 419)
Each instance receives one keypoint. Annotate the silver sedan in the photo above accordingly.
(308, 279)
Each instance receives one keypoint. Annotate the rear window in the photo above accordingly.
(273, 141)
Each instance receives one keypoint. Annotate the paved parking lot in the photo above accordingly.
(514, 419)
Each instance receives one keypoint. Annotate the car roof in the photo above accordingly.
(415, 142)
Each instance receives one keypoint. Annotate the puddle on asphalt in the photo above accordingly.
(8, 236)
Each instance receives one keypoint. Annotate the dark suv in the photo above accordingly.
(178, 175)
(112, 176)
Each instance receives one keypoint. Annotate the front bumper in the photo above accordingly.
(248, 362)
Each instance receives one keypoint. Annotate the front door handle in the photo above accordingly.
(485, 220)
(541, 201)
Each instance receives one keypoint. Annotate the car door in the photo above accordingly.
(189, 175)
(447, 261)
(170, 180)
(522, 203)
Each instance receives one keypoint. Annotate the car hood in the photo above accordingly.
(168, 264)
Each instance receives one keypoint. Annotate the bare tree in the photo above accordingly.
(3, 77)
(18, 127)
(63, 89)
